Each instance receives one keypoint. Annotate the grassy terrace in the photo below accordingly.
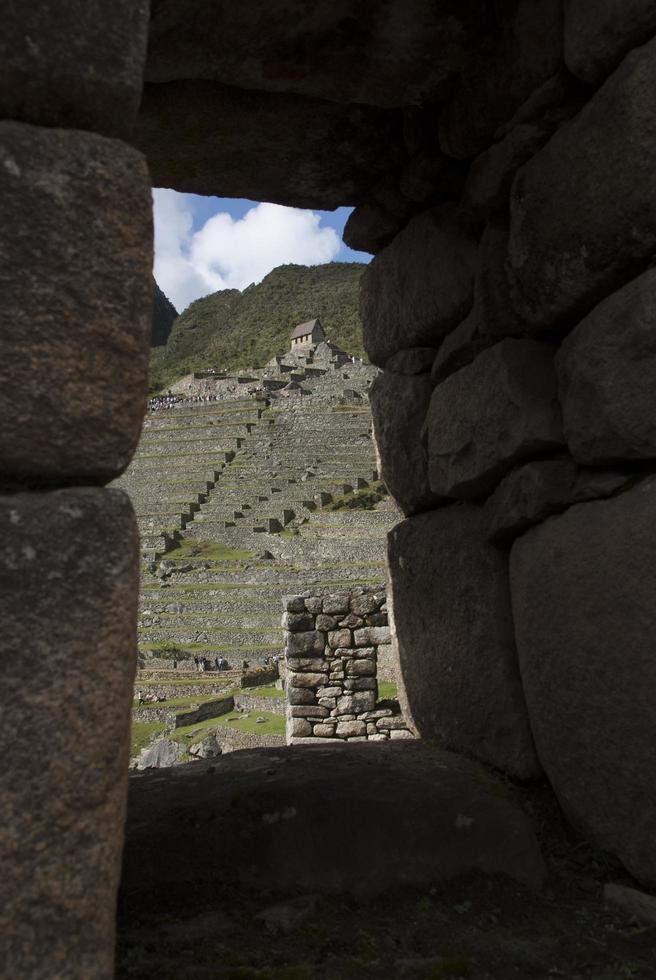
(188, 735)
(207, 551)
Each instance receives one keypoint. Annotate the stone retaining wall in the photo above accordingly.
(331, 655)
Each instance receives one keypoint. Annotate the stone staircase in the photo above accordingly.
(231, 500)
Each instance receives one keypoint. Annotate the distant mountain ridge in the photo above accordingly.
(232, 329)
(164, 315)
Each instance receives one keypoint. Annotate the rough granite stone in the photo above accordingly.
(490, 177)
(349, 729)
(357, 702)
(399, 404)
(583, 209)
(311, 642)
(372, 52)
(417, 290)
(69, 578)
(416, 792)
(339, 639)
(288, 149)
(73, 65)
(583, 586)
(297, 622)
(454, 634)
(502, 73)
(335, 605)
(606, 372)
(369, 228)
(495, 412)
(415, 360)
(76, 281)
(308, 680)
(533, 491)
(492, 316)
(300, 727)
(599, 33)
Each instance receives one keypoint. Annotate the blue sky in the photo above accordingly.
(207, 243)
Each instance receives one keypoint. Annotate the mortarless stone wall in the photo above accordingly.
(501, 162)
(332, 644)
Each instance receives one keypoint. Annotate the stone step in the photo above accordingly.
(193, 618)
(214, 636)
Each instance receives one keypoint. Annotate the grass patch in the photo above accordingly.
(274, 725)
(179, 702)
(210, 550)
(265, 692)
(387, 689)
(287, 533)
(141, 734)
(365, 499)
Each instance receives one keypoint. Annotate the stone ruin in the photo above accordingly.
(501, 163)
(336, 647)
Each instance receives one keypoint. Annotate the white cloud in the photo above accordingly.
(229, 253)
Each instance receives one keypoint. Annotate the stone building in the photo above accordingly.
(306, 334)
(501, 162)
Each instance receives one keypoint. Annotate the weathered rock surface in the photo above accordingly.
(492, 316)
(416, 360)
(289, 149)
(69, 575)
(399, 404)
(455, 639)
(373, 52)
(208, 748)
(503, 71)
(76, 66)
(369, 228)
(599, 33)
(583, 586)
(533, 491)
(490, 177)
(75, 275)
(584, 208)
(635, 903)
(417, 290)
(606, 372)
(160, 754)
(273, 808)
(488, 416)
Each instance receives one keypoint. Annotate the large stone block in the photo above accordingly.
(533, 491)
(488, 416)
(417, 290)
(504, 70)
(288, 149)
(73, 65)
(492, 316)
(599, 33)
(413, 795)
(584, 208)
(583, 587)
(490, 176)
(69, 577)
(399, 404)
(455, 639)
(76, 281)
(607, 377)
(374, 52)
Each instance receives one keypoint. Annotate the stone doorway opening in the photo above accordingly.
(500, 162)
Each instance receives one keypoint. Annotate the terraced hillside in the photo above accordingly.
(235, 504)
